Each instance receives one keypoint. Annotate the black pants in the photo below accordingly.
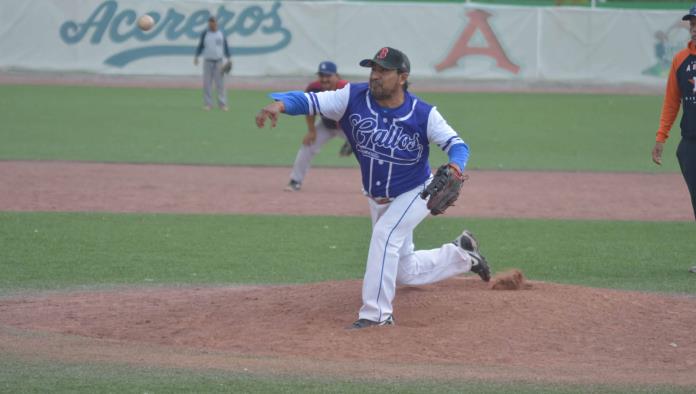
(686, 154)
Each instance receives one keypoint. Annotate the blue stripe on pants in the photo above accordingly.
(384, 256)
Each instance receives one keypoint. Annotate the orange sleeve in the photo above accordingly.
(672, 101)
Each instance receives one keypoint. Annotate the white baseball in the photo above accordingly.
(146, 22)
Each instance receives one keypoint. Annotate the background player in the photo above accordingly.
(390, 131)
(318, 132)
(213, 46)
(681, 89)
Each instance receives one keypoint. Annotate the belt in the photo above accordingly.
(382, 200)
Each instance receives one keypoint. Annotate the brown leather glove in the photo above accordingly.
(444, 188)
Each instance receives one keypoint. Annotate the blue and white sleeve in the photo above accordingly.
(295, 102)
(442, 134)
(329, 104)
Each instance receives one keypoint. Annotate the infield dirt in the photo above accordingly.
(103, 187)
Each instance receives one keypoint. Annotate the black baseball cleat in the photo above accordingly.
(293, 186)
(479, 265)
(364, 323)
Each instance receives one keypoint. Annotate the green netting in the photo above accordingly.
(639, 4)
(673, 4)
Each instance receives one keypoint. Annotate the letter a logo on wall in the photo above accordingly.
(478, 21)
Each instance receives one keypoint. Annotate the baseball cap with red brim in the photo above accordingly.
(389, 58)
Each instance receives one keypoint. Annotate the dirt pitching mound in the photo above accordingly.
(461, 326)
(510, 280)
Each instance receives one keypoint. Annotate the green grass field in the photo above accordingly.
(504, 131)
(58, 251)
(44, 377)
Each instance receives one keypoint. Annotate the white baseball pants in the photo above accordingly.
(391, 259)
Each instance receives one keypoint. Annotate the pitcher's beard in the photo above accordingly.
(378, 92)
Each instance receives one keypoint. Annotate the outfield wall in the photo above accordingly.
(463, 41)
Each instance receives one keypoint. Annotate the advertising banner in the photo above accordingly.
(274, 38)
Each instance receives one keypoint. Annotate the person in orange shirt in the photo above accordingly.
(681, 89)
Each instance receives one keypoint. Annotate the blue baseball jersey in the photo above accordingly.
(392, 145)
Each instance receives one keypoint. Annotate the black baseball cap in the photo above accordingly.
(389, 58)
(691, 14)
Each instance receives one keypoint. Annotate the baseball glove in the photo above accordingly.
(346, 150)
(444, 188)
(226, 67)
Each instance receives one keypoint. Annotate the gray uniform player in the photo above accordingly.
(318, 132)
(213, 47)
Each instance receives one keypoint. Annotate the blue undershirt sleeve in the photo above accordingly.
(295, 102)
(459, 155)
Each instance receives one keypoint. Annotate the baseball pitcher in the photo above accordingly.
(390, 130)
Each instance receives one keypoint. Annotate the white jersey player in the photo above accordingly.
(390, 131)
